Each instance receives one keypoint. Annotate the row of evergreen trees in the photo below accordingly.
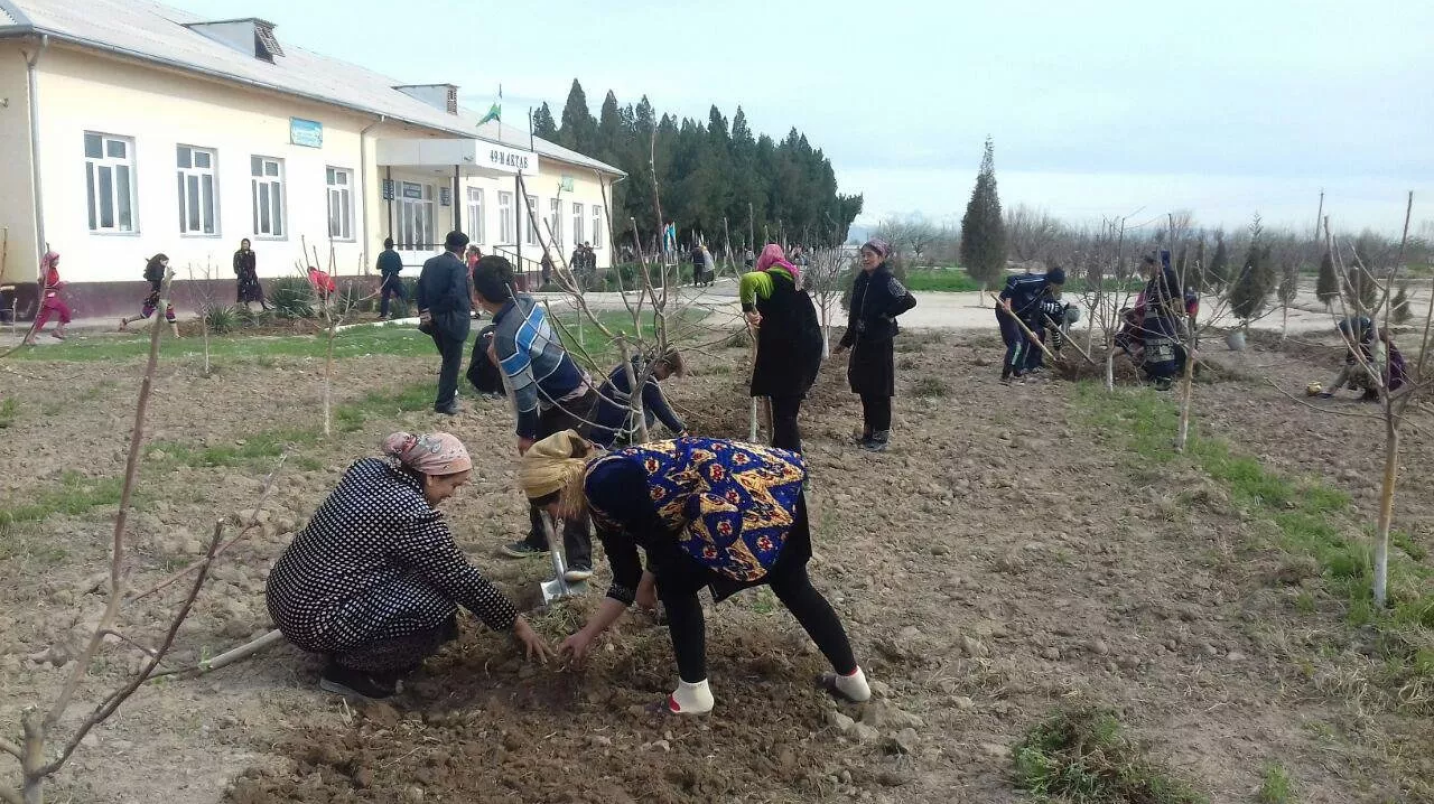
(709, 174)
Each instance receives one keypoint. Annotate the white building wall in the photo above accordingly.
(17, 209)
(159, 110)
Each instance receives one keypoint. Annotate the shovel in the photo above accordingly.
(559, 587)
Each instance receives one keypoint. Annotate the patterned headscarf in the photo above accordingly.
(772, 256)
(881, 247)
(429, 454)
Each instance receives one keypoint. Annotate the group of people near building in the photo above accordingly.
(375, 580)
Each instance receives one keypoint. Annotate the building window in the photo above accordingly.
(475, 215)
(577, 224)
(598, 226)
(555, 220)
(531, 211)
(341, 201)
(506, 232)
(109, 178)
(267, 177)
(415, 216)
(196, 191)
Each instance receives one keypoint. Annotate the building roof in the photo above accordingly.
(156, 33)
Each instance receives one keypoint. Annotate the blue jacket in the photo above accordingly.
(1025, 292)
(610, 414)
(538, 368)
(389, 263)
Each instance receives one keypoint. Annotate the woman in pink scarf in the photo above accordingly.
(789, 341)
(375, 580)
(50, 300)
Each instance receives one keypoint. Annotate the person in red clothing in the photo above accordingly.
(51, 303)
(323, 284)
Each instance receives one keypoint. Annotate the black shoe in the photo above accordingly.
(451, 409)
(355, 683)
(878, 442)
(522, 549)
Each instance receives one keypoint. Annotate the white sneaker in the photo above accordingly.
(577, 574)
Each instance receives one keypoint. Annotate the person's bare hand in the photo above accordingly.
(576, 647)
(525, 444)
(647, 596)
(534, 646)
(754, 318)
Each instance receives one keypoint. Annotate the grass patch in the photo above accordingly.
(9, 409)
(1276, 787)
(263, 445)
(1309, 518)
(1081, 756)
(75, 494)
(929, 387)
(948, 280)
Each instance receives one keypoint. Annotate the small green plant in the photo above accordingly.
(1275, 786)
(9, 409)
(930, 387)
(221, 320)
(1081, 756)
(292, 297)
(250, 317)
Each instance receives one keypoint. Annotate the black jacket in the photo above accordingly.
(877, 298)
(389, 263)
(444, 293)
(789, 342)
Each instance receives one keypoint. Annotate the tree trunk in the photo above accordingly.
(1386, 509)
(1187, 395)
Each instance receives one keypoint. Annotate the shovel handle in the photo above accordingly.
(554, 549)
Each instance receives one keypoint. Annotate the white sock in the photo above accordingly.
(691, 699)
(854, 686)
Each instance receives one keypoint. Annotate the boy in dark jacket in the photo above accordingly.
(1021, 298)
(611, 416)
(877, 298)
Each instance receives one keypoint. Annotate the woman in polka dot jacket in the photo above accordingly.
(375, 580)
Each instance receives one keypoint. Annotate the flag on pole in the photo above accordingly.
(495, 112)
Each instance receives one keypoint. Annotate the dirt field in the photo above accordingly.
(1014, 551)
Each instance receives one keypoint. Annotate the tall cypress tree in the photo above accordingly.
(1327, 288)
(578, 130)
(1256, 280)
(983, 230)
(1220, 263)
(543, 123)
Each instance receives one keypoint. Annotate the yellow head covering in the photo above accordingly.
(555, 464)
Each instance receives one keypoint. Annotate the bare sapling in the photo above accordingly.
(44, 749)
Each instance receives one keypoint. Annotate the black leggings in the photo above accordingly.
(785, 432)
(875, 413)
(792, 587)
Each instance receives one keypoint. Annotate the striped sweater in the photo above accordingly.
(538, 368)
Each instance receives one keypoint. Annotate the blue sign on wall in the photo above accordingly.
(306, 133)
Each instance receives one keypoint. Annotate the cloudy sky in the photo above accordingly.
(1224, 107)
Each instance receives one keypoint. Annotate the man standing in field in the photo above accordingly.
(445, 311)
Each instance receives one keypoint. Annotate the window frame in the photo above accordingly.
(410, 210)
(477, 211)
(530, 206)
(282, 195)
(598, 227)
(199, 174)
(93, 166)
(345, 190)
(578, 211)
(555, 220)
(507, 224)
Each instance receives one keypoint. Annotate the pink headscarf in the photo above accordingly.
(772, 255)
(428, 454)
(48, 261)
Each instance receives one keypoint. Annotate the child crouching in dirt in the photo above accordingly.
(612, 413)
(375, 580)
(154, 271)
(707, 513)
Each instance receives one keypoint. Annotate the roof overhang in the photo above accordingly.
(470, 157)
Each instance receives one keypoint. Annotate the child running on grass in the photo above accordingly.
(154, 272)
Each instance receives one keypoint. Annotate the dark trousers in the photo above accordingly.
(785, 432)
(875, 413)
(1034, 356)
(400, 655)
(577, 532)
(392, 286)
(792, 587)
(1015, 341)
(451, 350)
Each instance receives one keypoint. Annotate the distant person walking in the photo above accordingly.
(390, 265)
(445, 312)
(246, 276)
(877, 298)
(51, 302)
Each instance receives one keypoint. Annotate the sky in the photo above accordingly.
(1226, 108)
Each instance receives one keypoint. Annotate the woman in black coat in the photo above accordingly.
(247, 276)
(789, 341)
(877, 298)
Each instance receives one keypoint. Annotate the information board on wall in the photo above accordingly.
(306, 133)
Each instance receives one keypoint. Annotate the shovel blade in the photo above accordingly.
(559, 588)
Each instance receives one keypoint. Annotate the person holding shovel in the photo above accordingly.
(789, 341)
(877, 298)
(706, 513)
(1020, 303)
(375, 580)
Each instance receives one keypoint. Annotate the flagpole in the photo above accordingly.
(500, 112)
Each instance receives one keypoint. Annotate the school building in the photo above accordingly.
(129, 128)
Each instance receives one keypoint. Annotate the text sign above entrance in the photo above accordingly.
(507, 160)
